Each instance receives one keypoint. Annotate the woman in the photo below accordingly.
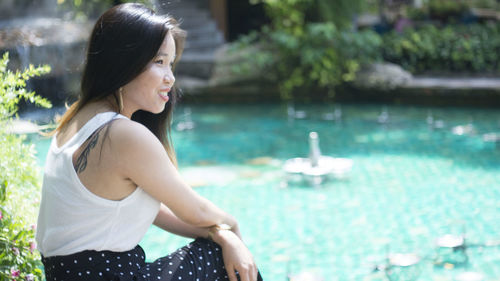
(111, 169)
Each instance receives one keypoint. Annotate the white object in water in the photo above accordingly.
(450, 241)
(403, 266)
(316, 167)
(314, 152)
(463, 130)
(403, 260)
(433, 122)
(383, 118)
(295, 114)
(491, 137)
(188, 123)
(336, 115)
(306, 276)
(469, 276)
(438, 124)
(429, 119)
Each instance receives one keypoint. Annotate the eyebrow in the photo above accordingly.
(163, 55)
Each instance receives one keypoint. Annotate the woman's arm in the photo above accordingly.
(168, 221)
(236, 255)
(141, 158)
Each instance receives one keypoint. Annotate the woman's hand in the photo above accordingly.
(236, 256)
(236, 230)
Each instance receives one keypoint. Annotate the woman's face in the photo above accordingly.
(150, 90)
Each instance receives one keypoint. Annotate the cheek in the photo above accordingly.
(148, 83)
(156, 74)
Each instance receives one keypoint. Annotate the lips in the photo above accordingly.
(164, 94)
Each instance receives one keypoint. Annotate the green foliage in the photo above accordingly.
(305, 48)
(290, 14)
(447, 8)
(18, 258)
(454, 48)
(19, 180)
(485, 4)
(84, 9)
(301, 53)
(339, 12)
(12, 88)
(287, 15)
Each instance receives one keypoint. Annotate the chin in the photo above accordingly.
(155, 108)
(159, 109)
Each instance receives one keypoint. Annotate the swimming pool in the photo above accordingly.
(413, 180)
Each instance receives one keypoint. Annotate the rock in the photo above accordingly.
(234, 78)
(58, 43)
(486, 14)
(382, 76)
(52, 41)
(368, 20)
(191, 84)
(456, 83)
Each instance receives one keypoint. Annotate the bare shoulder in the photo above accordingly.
(130, 136)
(125, 127)
(138, 155)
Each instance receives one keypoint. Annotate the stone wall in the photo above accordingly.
(10, 9)
(58, 43)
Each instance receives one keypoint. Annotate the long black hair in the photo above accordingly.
(123, 42)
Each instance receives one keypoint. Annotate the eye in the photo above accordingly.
(159, 61)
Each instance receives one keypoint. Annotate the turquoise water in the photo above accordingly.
(409, 185)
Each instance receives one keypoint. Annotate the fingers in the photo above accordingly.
(248, 273)
(251, 270)
(244, 275)
(254, 273)
(237, 258)
(231, 273)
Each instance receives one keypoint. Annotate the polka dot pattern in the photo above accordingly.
(199, 260)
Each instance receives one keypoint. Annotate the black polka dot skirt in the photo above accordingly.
(200, 260)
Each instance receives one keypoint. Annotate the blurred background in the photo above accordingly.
(352, 139)
(258, 50)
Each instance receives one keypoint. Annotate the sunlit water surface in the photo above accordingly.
(410, 184)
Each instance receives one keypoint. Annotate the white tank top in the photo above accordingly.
(73, 219)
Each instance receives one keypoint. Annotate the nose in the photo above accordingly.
(169, 78)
